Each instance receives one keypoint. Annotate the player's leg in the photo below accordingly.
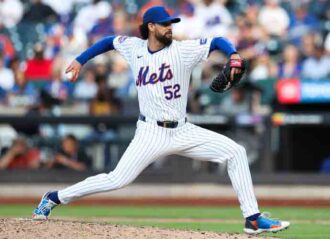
(148, 144)
(199, 143)
(146, 147)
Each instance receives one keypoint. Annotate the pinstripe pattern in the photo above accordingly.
(151, 141)
(134, 160)
(202, 144)
(181, 56)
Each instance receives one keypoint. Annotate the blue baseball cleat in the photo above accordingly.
(264, 224)
(44, 208)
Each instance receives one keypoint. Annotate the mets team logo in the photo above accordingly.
(164, 73)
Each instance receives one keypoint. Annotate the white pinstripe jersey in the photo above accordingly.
(162, 78)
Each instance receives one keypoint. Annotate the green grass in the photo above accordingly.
(306, 222)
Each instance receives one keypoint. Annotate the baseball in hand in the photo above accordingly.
(69, 75)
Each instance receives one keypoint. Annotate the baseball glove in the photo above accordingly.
(222, 82)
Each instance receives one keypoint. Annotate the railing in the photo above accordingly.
(266, 138)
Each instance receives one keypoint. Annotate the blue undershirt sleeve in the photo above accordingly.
(102, 46)
(222, 44)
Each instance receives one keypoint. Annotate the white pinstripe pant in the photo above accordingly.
(152, 142)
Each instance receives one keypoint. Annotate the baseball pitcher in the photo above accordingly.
(162, 68)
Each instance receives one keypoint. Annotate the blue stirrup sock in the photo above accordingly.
(253, 217)
(54, 197)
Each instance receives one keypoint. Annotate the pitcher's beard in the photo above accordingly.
(165, 39)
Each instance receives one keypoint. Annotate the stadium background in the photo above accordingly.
(280, 112)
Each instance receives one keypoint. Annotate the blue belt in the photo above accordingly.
(165, 124)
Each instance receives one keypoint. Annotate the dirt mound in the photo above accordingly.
(17, 228)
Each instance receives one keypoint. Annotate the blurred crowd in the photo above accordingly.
(67, 155)
(281, 39)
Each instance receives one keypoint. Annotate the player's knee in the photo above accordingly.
(240, 151)
(114, 179)
(118, 180)
(98, 177)
(122, 182)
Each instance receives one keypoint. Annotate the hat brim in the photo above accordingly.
(170, 19)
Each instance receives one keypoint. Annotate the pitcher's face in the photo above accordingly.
(163, 32)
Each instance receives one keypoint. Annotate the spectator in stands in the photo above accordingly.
(120, 26)
(104, 22)
(62, 8)
(38, 67)
(317, 66)
(102, 66)
(120, 77)
(74, 41)
(290, 67)
(302, 22)
(274, 18)
(104, 103)
(248, 44)
(7, 79)
(11, 12)
(188, 19)
(20, 156)
(6, 47)
(23, 94)
(307, 45)
(263, 69)
(54, 40)
(251, 14)
(39, 13)
(86, 89)
(15, 64)
(88, 15)
(57, 88)
(70, 156)
(215, 18)
(7, 136)
(272, 45)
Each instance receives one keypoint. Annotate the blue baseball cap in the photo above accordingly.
(158, 14)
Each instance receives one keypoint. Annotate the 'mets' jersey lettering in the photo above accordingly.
(142, 78)
(162, 78)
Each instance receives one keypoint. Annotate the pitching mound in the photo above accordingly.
(17, 228)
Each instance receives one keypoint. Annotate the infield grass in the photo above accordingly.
(306, 223)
